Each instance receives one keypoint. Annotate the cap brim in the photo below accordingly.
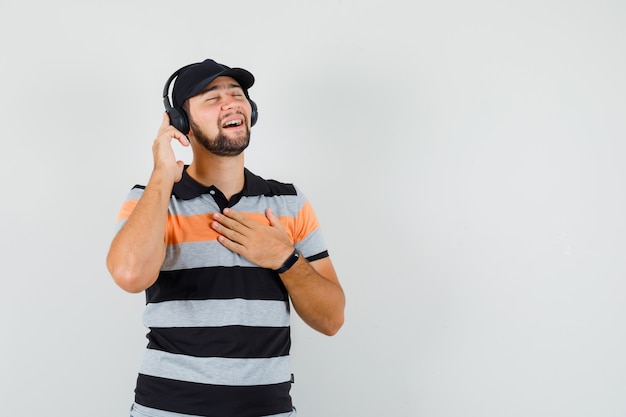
(243, 77)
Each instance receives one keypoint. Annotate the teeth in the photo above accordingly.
(233, 123)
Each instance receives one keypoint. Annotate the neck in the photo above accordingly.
(225, 173)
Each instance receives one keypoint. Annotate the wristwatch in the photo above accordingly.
(293, 258)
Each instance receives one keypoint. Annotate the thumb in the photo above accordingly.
(165, 122)
(274, 220)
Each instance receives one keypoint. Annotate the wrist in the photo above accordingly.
(162, 177)
(289, 262)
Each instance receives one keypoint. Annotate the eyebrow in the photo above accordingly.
(231, 86)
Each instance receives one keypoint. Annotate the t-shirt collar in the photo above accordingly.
(188, 188)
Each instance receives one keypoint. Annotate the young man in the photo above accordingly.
(219, 252)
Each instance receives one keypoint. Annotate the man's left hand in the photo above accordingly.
(264, 245)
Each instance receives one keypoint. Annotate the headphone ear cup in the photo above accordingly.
(255, 113)
(178, 119)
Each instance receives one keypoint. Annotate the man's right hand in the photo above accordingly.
(164, 158)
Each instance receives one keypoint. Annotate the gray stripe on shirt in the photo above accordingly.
(216, 371)
(214, 313)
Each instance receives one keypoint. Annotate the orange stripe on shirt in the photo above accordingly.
(306, 222)
(183, 229)
(197, 228)
(126, 209)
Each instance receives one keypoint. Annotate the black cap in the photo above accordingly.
(193, 78)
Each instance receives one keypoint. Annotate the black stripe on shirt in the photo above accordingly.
(225, 342)
(217, 283)
(213, 400)
(320, 255)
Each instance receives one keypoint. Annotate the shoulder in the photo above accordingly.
(257, 185)
(136, 191)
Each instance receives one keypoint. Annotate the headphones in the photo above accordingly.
(178, 116)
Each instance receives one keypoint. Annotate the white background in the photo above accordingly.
(464, 158)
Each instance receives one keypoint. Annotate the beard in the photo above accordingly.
(221, 145)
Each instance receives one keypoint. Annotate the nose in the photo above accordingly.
(229, 102)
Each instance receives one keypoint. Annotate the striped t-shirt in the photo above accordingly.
(219, 335)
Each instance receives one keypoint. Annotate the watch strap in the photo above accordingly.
(293, 258)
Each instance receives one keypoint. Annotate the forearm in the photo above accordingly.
(316, 294)
(138, 250)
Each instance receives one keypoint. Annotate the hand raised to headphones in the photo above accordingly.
(165, 162)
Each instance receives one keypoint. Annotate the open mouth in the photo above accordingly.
(232, 123)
